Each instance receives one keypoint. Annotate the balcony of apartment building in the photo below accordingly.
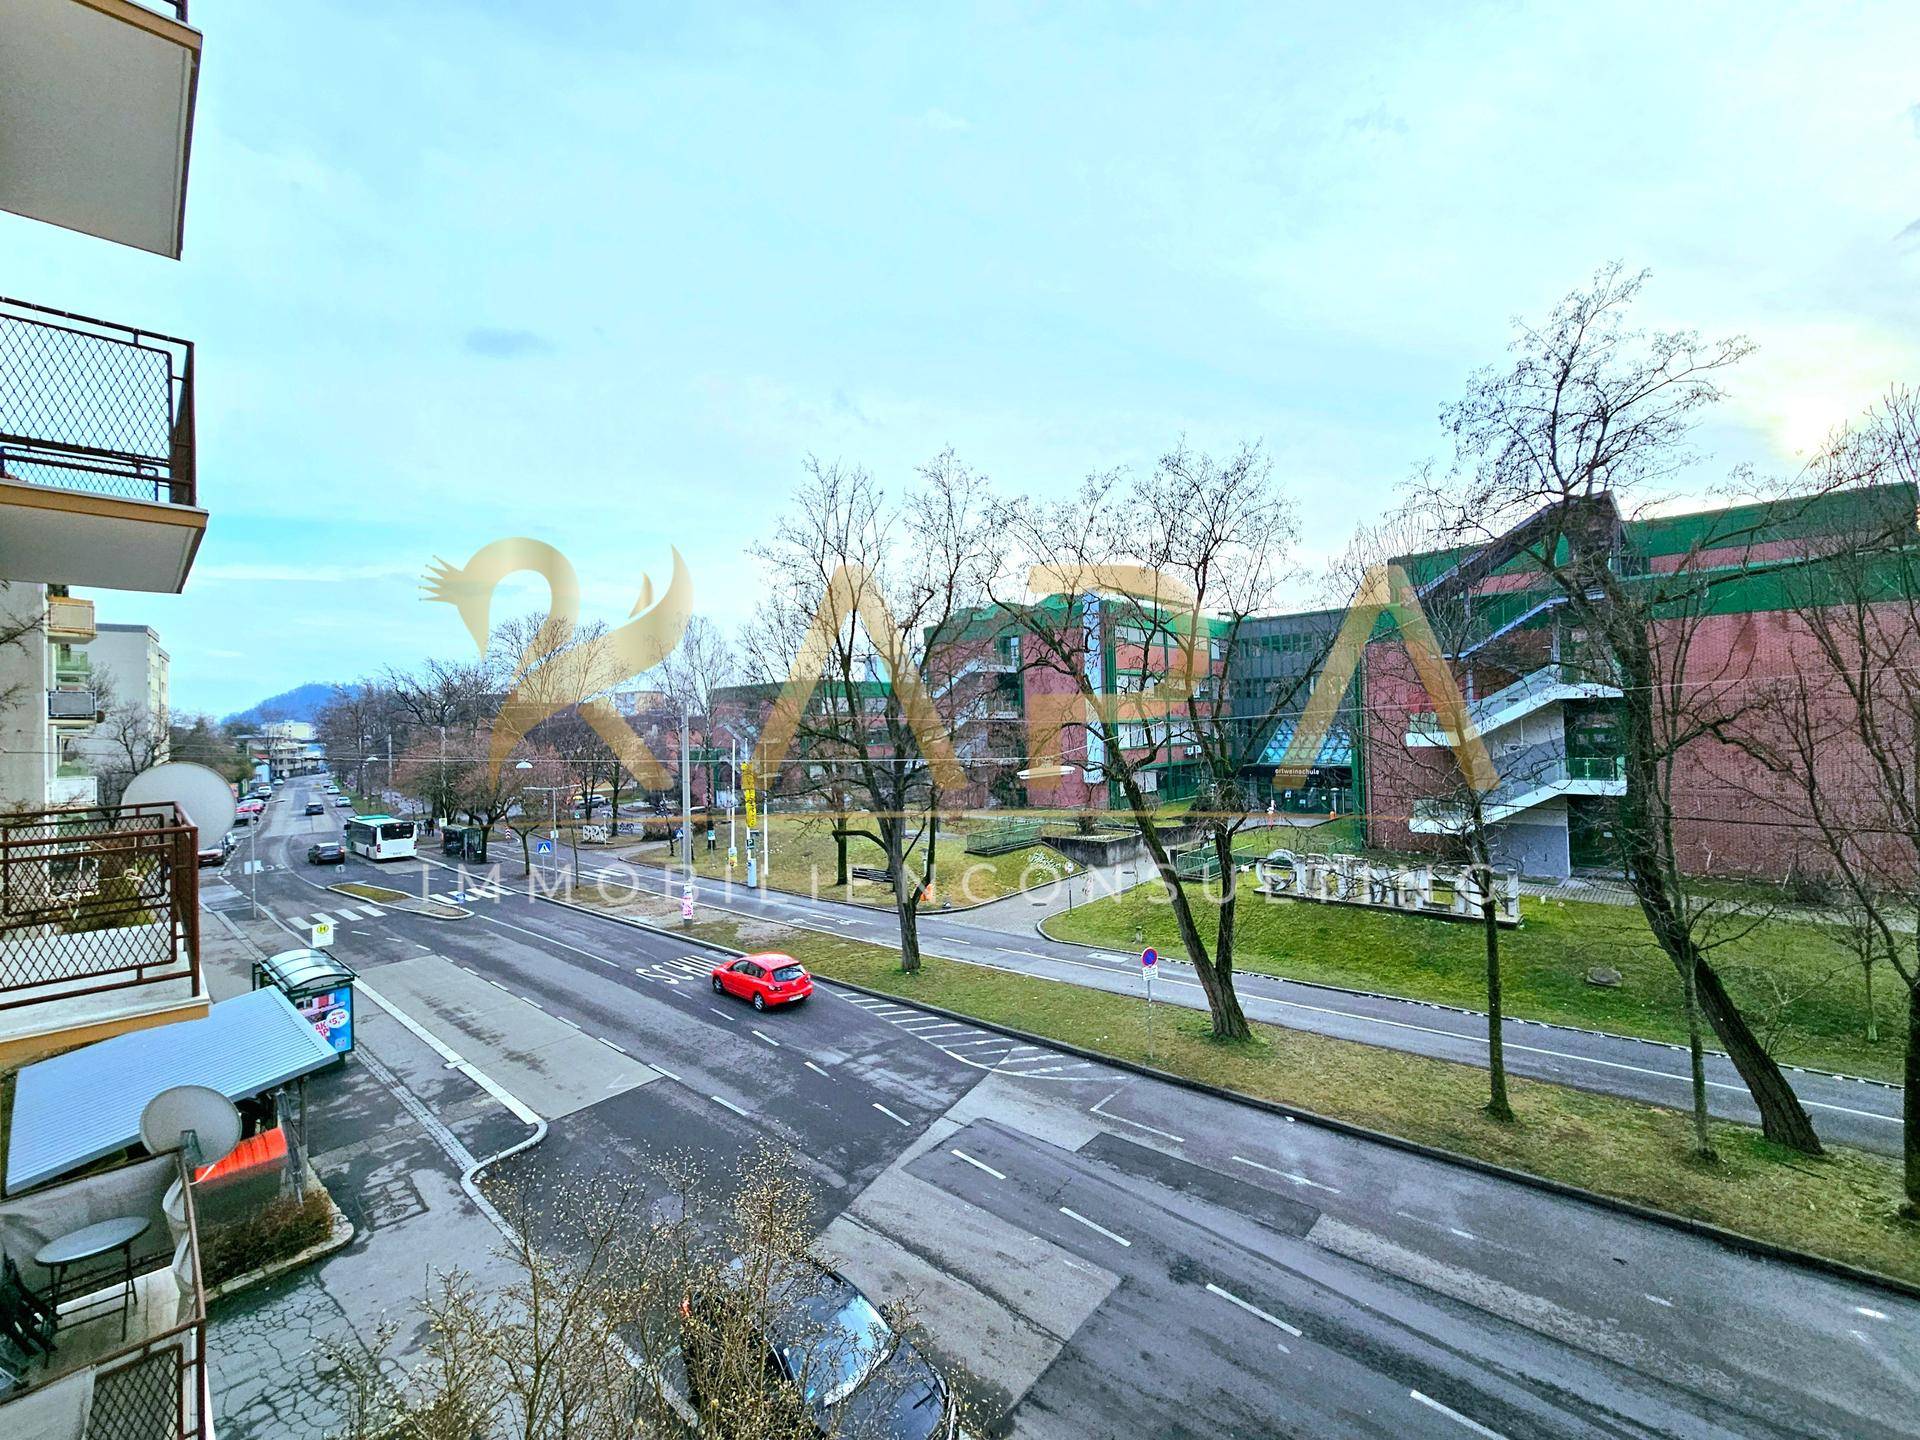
(99, 926)
(97, 452)
(112, 1346)
(70, 620)
(96, 104)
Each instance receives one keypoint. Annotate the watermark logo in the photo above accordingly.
(551, 674)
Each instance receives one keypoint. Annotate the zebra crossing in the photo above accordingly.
(333, 916)
(468, 894)
(982, 1049)
(682, 970)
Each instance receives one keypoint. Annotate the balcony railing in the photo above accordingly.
(70, 619)
(148, 1351)
(97, 899)
(72, 705)
(92, 406)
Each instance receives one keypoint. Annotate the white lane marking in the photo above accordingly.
(1474, 1425)
(1660, 1300)
(1095, 1225)
(978, 1164)
(891, 1115)
(919, 1029)
(666, 1072)
(1285, 1174)
(718, 1011)
(535, 1003)
(605, 961)
(485, 1082)
(497, 985)
(815, 1068)
(370, 910)
(965, 1044)
(418, 946)
(1870, 1314)
(727, 1103)
(610, 1045)
(320, 915)
(768, 1038)
(565, 1021)
(1253, 1309)
(1106, 1115)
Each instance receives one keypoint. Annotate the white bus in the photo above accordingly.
(380, 837)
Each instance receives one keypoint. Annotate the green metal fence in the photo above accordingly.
(999, 839)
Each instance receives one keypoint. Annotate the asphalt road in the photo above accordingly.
(1103, 1255)
(1845, 1110)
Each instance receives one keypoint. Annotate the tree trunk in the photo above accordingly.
(1498, 1105)
(906, 896)
(1910, 1107)
(1647, 847)
(1873, 1022)
(1222, 999)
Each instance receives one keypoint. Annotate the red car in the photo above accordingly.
(770, 979)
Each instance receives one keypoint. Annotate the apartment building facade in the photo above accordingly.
(1544, 699)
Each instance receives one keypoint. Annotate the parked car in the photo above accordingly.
(766, 979)
(343, 802)
(314, 807)
(854, 1372)
(326, 853)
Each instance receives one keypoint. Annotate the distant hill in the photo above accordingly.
(303, 702)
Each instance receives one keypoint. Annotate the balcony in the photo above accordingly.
(99, 925)
(120, 1364)
(96, 104)
(72, 709)
(1549, 685)
(97, 455)
(70, 621)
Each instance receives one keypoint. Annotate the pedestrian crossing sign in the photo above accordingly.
(543, 847)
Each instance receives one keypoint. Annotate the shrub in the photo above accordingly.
(280, 1228)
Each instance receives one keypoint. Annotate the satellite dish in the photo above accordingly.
(199, 794)
(206, 1114)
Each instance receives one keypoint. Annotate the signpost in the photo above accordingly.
(686, 905)
(322, 934)
(1149, 962)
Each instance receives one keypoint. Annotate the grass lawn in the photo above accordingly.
(1842, 1205)
(1792, 978)
(803, 862)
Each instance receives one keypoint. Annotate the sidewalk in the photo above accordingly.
(390, 1133)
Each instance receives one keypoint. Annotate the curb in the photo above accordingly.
(1720, 1235)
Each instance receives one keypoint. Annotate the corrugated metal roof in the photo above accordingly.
(75, 1108)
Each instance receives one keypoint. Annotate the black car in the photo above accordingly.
(314, 807)
(841, 1359)
(327, 854)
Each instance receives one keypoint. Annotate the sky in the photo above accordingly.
(604, 274)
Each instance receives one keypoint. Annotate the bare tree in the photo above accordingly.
(1840, 729)
(632, 1314)
(1590, 411)
(856, 582)
(1163, 571)
(133, 736)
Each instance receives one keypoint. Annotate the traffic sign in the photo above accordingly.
(322, 934)
(543, 847)
(1149, 958)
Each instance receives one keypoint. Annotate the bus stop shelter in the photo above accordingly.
(317, 985)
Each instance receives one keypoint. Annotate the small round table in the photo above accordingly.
(77, 1247)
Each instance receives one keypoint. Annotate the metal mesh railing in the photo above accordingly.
(96, 899)
(139, 1400)
(89, 405)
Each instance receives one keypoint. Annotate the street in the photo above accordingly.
(1121, 1258)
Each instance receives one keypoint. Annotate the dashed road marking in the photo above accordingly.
(815, 1068)
(1117, 1239)
(1253, 1309)
(1474, 1425)
(611, 1046)
(893, 1115)
(1284, 1174)
(727, 1103)
(768, 1038)
(978, 1164)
